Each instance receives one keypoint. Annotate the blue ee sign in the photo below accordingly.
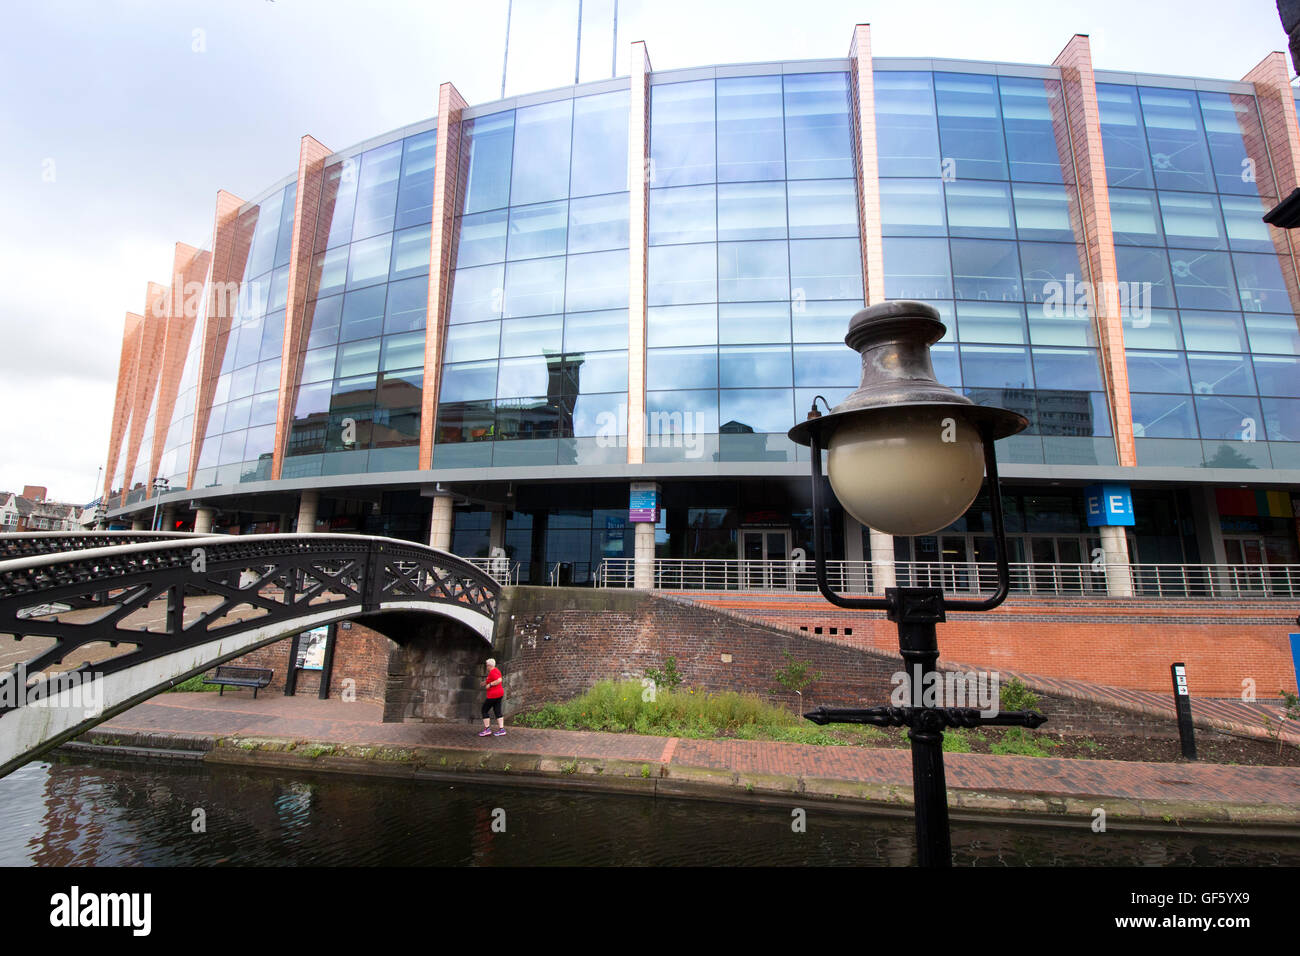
(1108, 505)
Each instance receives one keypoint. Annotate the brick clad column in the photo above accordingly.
(306, 210)
(1082, 121)
(1114, 548)
(148, 365)
(189, 267)
(638, 184)
(1280, 135)
(448, 198)
(127, 364)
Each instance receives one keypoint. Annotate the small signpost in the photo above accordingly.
(1183, 704)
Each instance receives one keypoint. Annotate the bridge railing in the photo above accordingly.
(502, 570)
(1222, 581)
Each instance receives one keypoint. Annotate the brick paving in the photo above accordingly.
(334, 721)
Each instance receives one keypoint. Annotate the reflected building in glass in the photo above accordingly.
(508, 313)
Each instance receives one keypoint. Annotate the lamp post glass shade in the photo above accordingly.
(906, 452)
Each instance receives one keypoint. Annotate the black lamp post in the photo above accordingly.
(907, 456)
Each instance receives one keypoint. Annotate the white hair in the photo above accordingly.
(491, 662)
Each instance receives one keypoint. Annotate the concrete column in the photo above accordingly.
(139, 524)
(1114, 548)
(286, 522)
(203, 520)
(882, 561)
(497, 530)
(440, 523)
(168, 518)
(307, 506)
(644, 552)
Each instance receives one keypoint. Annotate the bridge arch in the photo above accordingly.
(161, 611)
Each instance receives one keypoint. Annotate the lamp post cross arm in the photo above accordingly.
(924, 717)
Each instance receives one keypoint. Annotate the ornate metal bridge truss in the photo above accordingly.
(142, 611)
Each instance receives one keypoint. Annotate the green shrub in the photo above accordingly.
(1016, 696)
(666, 679)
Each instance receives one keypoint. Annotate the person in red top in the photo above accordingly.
(495, 692)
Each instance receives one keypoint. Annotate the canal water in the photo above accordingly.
(77, 811)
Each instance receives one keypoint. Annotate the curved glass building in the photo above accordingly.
(576, 325)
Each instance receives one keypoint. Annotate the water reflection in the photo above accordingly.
(73, 812)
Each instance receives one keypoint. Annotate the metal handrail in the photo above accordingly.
(502, 570)
(966, 577)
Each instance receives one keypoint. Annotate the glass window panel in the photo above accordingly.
(312, 400)
(1032, 146)
(599, 416)
(1149, 269)
(410, 253)
(538, 230)
(1065, 323)
(268, 375)
(821, 321)
(986, 269)
(752, 322)
(474, 342)
(751, 211)
(1176, 139)
(970, 125)
(232, 448)
(404, 351)
(1071, 369)
(1278, 375)
(682, 274)
(490, 140)
(825, 269)
(1052, 273)
(979, 209)
(589, 372)
(263, 409)
(917, 269)
(318, 364)
(272, 336)
(1260, 285)
(751, 271)
(1243, 218)
(337, 204)
(1231, 122)
(599, 144)
(534, 287)
(249, 343)
(284, 243)
(907, 134)
(817, 144)
(992, 322)
(329, 272)
(682, 148)
(1281, 418)
(1123, 138)
(363, 314)
(686, 214)
(476, 294)
(377, 183)
(237, 413)
(1043, 211)
(747, 366)
(757, 410)
(216, 419)
(690, 412)
(401, 389)
(368, 262)
(241, 382)
(535, 335)
(826, 365)
(823, 208)
(684, 325)
(1220, 374)
(407, 302)
(1203, 280)
(1231, 418)
(912, 207)
(1192, 220)
(1277, 334)
(682, 368)
(522, 377)
(1158, 371)
(415, 194)
(947, 369)
(992, 367)
(357, 358)
(471, 381)
(1163, 416)
(596, 331)
(266, 231)
(1213, 332)
(482, 238)
(466, 421)
(1134, 219)
(597, 223)
(751, 132)
(596, 280)
(278, 289)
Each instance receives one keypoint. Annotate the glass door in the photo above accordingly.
(764, 554)
(1247, 554)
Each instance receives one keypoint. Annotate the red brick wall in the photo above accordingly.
(360, 654)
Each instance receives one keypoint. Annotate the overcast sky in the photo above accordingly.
(120, 121)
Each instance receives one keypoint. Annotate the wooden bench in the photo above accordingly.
(254, 677)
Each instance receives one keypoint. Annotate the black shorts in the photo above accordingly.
(492, 706)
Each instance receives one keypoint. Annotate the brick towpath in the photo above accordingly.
(1208, 792)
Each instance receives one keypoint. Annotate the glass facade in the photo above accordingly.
(754, 262)
(977, 190)
(1209, 326)
(535, 364)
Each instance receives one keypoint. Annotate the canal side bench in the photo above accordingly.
(254, 677)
